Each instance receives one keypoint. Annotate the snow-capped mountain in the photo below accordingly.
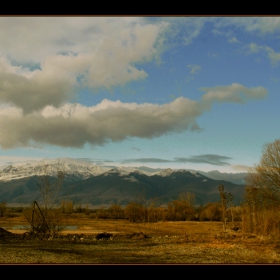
(74, 169)
(89, 183)
(169, 172)
(77, 169)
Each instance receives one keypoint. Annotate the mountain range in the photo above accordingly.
(95, 185)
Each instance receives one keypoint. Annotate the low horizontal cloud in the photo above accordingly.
(146, 160)
(234, 93)
(206, 158)
(241, 167)
(97, 161)
(73, 125)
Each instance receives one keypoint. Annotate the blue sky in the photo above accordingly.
(181, 92)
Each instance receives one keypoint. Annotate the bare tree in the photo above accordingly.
(266, 175)
(223, 206)
(42, 216)
(262, 199)
(50, 180)
(3, 208)
(226, 203)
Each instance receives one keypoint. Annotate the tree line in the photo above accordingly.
(181, 209)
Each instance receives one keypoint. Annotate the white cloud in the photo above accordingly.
(36, 90)
(273, 56)
(194, 68)
(73, 125)
(253, 48)
(233, 40)
(183, 29)
(193, 28)
(190, 27)
(96, 125)
(251, 24)
(46, 60)
(234, 93)
(32, 39)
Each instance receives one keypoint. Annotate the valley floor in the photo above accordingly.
(167, 243)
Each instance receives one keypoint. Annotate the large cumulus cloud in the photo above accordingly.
(73, 125)
(48, 65)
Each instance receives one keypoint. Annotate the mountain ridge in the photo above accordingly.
(97, 185)
(87, 169)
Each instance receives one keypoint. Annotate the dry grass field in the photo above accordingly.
(164, 243)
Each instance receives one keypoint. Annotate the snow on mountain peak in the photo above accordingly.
(195, 173)
(165, 172)
(124, 171)
(73, 168)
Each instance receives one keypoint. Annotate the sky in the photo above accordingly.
(188, 92)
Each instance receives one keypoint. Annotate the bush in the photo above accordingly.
(116, 211)
(44, 222)
(136, 212)
(92, 216)
(78, 215)
(182, 209)
(211, 212)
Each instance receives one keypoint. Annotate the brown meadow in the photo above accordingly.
(182, 242)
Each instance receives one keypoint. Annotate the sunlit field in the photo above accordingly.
(159, 243)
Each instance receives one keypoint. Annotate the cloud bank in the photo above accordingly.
(147, 160)
(74, 125)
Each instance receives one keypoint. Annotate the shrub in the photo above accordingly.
(211, 212)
